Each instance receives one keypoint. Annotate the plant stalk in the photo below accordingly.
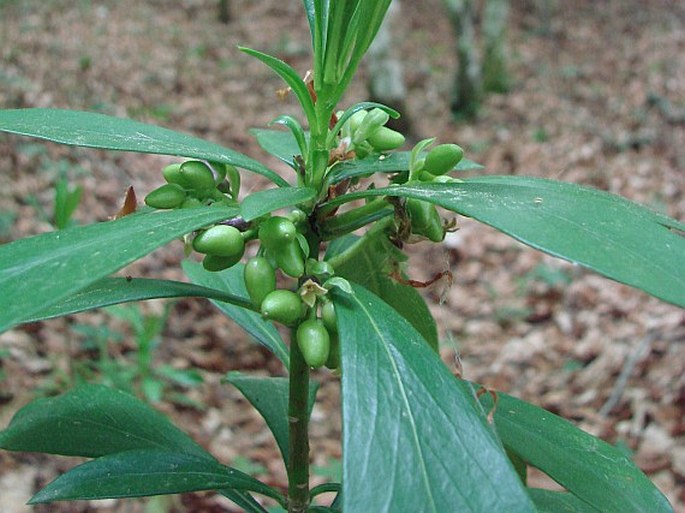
(298, 431)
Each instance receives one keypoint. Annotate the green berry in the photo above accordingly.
(169, 195)
(172, 174)
(260, 279)
(290, 258)
(191, 203)
(220, 240)
(216, 263)
(284, 306)
(373, 120)
(276, 231)
(197, 175)
(425, 219)
(386, 139)
(328, 317)
(333, 361)
(443, 158)
(314, 342)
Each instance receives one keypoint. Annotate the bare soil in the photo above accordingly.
(597, 98)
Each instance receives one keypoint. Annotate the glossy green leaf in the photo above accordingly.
(586, 466)
(607, 233)
(547, 501)
(93, 130)
(279, 144)
(244, 500)
(112, 291)
(231, 281)
(270, 397)
(262, 202)
(392, 163)
(141, 473)
(94, 421)
(38, 272)
(289, 76)
(414, 437)
(369, 262)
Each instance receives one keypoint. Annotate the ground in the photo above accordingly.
(597, 98)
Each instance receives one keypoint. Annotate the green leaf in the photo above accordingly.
(392, 163)
(231, 281)
(244, 500)
(93, 130)
(414, 437)
(279, 144)
(369, 264)
(604, 232)
(93, 421)
(270, 397)
(112, 291)
(586, 466)
(547, 501)
(38, 272)
(290, 77)
(262, 202)
(141, 473)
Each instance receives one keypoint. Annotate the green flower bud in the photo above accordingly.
(386, 139)
(443, 158)
(314, 342)
(169, 195)
(284, 306)
(276, 231)
(260, 279)
(425, 219)
(220, 240)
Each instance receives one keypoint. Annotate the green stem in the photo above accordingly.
(356, 218)
(298, 431)
(381, 226)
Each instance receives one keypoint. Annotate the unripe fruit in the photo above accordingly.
(333, 361)
(314, 342)
(276, 231)
(284, 306)
(290, 258)
(172, 174)
(425, 219)
(169, 195)
(216, 263)
(328, 317)
(191, 203)
(220, 240)
(443, 158)
(373, 120)
(197, 175)
(386, 139)
(260, 279)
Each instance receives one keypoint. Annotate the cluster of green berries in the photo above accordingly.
(423, 216)
(194, 183)
(316, 335)
(366, 133)
(282, 246)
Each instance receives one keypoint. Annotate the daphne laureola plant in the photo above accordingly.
(415, 437)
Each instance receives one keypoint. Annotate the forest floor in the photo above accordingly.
(597, 98)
